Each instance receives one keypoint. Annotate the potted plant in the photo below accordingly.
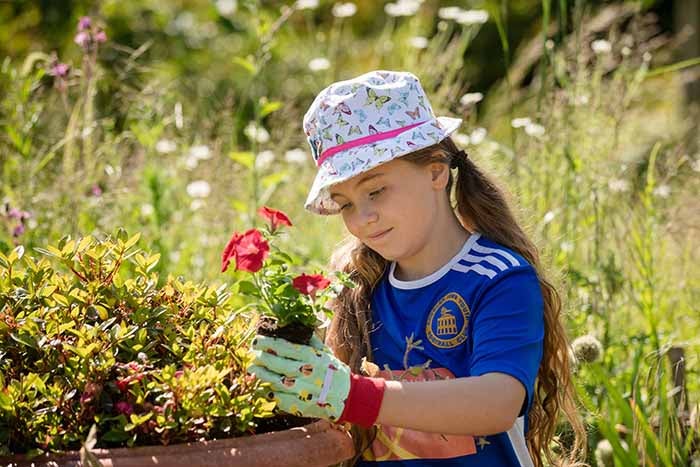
(104, 356)
(290, 306)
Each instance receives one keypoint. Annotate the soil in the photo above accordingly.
(281, 421)
(295, 332)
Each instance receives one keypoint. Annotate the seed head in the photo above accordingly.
(587, 348)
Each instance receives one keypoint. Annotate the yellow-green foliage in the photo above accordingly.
(87, 336)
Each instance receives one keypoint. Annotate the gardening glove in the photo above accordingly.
(309, 381)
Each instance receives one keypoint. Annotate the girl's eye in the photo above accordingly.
(376, 192)
(346, 205)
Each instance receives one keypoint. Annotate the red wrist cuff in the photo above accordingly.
(364, 400)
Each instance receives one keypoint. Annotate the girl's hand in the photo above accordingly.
(309, 381)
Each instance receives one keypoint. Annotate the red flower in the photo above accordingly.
(310, 284)
(249, 250)
(274, 217)
(123, 384)
(230, 251)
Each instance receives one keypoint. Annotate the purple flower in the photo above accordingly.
(15, 213)
(84, 23)
(100, 36)
(19, 230)
(124, 407)
(96, 190)
(59, 70)
(82, 39)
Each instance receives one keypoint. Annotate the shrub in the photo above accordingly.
(103, 341)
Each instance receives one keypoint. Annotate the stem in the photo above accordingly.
(259, 285)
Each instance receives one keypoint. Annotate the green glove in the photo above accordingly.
(306, 380)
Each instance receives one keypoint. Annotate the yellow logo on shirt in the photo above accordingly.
(447, 323)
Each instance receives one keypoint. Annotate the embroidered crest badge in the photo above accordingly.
(446, 327)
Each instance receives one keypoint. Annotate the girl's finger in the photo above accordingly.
(283, 366)
(283, 383)
(284, 348)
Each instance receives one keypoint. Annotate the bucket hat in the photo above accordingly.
(355, 125)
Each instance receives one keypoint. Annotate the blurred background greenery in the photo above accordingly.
(187, 118)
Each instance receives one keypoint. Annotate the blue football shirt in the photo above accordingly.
(481, 312)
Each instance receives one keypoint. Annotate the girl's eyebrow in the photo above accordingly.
(362, 180)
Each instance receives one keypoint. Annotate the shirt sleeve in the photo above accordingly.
(508, 328)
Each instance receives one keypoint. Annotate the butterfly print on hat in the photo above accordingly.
(357, 163)
(326, 133)
(378, 152)
(393, 107)
(401, 122)
(373, 98)
(418, 135)
(403, 98)
(329, 167)
(354, 130)
(311, 126)
(372, 130)
(361, 115)
(414, 114)
(384, 121)
(342, 107)
(341, 121)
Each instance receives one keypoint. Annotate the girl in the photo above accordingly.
(449, 351)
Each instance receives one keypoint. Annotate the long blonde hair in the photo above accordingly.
(482, 206)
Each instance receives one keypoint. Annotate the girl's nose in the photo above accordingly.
(368, 215)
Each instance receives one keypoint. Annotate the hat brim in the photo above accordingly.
(349, 163)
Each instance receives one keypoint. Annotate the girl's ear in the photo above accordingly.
(440, 175)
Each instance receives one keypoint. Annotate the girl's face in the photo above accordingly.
(392, 208)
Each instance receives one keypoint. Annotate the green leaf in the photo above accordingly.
(6, 402)
(84, 243)
(239, 205)
(115, 435)
(101, 312)
(269, 107)
(138, 420)
(285, 290)
(50, 251)
(122, 235)
(132, 241)
(248, 288)
(152, 261)
(24, 339)
(246, 63)
(273, 179)
(245, 158)
(68, 248)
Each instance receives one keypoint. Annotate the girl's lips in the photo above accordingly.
(380, 235)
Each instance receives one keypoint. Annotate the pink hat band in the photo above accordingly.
(364, 140)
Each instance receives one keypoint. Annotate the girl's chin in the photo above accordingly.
(386, 253)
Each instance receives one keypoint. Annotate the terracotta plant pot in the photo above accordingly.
(314, 445)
